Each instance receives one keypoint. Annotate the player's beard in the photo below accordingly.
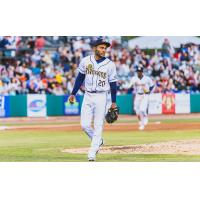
(99, 55)
(140, 75)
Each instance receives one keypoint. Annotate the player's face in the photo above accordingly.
(100, 50)
(139, 74)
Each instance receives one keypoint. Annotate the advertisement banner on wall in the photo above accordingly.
(4, 106)
(155, 104)
(72, 109)
(182, 102)
(168, 103)
(36, 105)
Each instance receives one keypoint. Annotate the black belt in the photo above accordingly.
(95, 91)
(143, 93)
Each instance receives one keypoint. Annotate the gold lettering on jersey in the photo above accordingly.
(137, 84)
(90, 70)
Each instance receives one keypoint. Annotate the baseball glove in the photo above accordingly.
(112, 115)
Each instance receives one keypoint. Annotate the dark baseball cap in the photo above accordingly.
(101, 40)
(139, 69)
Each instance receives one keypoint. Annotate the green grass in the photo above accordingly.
(36, 123)
(189, 120)
(47, 145)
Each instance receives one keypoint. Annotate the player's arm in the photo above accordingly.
(79, 81)
(151, 86)
(131, 84)
(113, 90)
(113, 85)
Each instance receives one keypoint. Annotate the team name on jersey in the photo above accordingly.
(137, 84)
(91, 70)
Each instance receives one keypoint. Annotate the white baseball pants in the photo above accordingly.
(141, 105)
(94, 109)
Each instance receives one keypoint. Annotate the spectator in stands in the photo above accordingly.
(40, 42)
(4, 43)
(167, 49)
(36, 69)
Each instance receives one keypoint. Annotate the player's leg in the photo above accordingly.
(143, 110)
(146, 120)
(108, 102)
(99, 115)
(137, 101)
(87, 115)
(108, 105)
(141, 122)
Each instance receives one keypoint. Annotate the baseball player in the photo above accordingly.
(143, 86)
(99, 74)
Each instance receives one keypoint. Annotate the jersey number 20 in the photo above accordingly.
(101, 83)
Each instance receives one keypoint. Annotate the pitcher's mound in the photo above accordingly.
(190, 147)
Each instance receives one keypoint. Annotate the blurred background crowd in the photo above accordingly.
(48, 65)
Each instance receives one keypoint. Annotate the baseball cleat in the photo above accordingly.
(91, 159)
(141, 127)
(91, 156)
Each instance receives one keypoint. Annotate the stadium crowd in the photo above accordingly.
(48, 65)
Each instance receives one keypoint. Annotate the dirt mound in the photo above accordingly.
(186, 147)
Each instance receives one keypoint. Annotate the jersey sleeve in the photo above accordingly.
(132, 82)
(81, 67)
(151, 86)
(112, 76)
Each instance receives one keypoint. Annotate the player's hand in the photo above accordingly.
(145, 90)
(71, 99)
